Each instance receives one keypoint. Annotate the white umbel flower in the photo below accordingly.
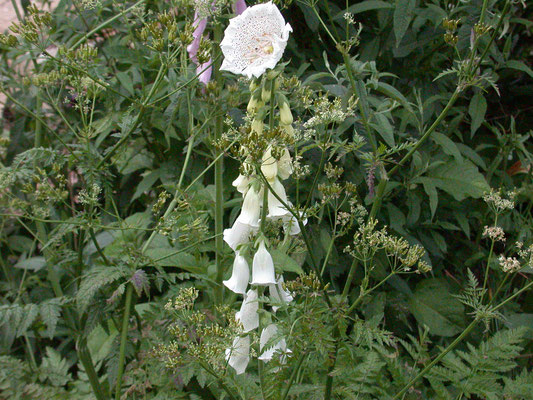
(247, 315)
(268, 333)
(255, 40)
(238, 355)
(239, 276)
(263, 267)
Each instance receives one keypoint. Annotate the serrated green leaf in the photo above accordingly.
(477, 110)
(285, 263)
(403, 14)
(448, 145)
(433, 305)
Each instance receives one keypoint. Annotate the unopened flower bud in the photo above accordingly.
(285, 114)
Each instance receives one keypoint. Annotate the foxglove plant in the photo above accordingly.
(253, 43)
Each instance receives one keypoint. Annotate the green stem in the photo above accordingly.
(383, 184)
(123, 338)
(85, 357)
(349, 280)
(450, 347)
(485, 279)
(219, 182)
(293, 376)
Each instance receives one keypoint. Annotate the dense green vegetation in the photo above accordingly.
(385, 162)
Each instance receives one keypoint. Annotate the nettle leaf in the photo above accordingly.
(97, 278)
(477, 110)
(459, 179)
(447, 145)
(50, 312)
(32, 264)
(403, 14)
(433, 305)
(285, 263)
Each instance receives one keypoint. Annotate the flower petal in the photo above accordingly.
(240, 275)
(263, 272)
(247, 315)
(238, 355)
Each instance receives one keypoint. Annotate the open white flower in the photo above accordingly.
(276, 209)
(238, 355)
(239, 276)
(268, 333)
(251, 208)
(255, 40)
(263, 267)
(247, 315)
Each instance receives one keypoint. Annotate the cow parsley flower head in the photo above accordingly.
(255, 40)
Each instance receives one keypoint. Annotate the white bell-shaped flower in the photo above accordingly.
(247, 315)
(269, 166)
(239, 276)
(263, 272)
(238, 355)
(251, 208)
(285, 165)
(278, 294)
(281, 346)
(238, 234)
(290, 224)
(242, 183)
(255, 40)
(276, 209)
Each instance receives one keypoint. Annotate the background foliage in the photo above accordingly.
(108, 199)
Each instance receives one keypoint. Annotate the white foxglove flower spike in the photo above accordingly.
(248, 316)
(269, 166)
(238, 355)
(251, 208)
(238, 234)
(276, 209)
(239, 276)
(242, 183)
(255, 40)
(285, 165)
(263, 272)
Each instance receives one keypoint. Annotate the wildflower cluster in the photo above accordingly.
(495, 233)
(498, 203)
(402, 256)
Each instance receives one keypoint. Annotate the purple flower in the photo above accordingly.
(199, 27)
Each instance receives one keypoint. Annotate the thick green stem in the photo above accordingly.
(123, 338)
(293, 376)
(219, 182)
(349, 280)
(85, 357)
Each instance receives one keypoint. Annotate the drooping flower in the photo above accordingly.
(276, 209)
(251, 208)
(239, 276)
(269, 165)
(278, 293)
(263, 272)
(247, 315)
(204, 71)
(241, 183)
(255, 40)
(238, 355)
(266, 335)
